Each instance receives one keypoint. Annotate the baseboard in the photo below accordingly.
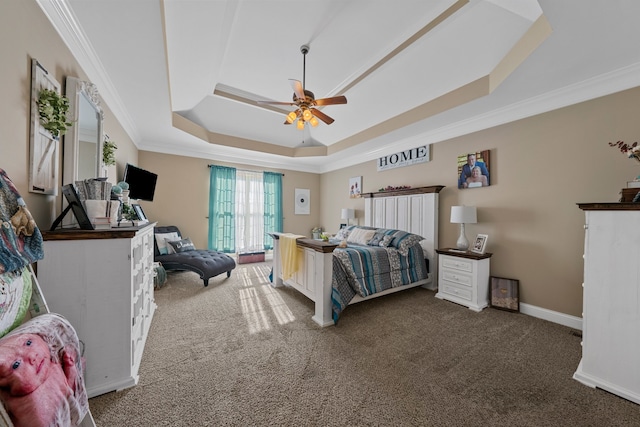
(552, 316)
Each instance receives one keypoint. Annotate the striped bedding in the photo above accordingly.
(365, 270)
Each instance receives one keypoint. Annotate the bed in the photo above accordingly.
(320, 274)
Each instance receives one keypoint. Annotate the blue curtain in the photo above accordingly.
(272, 206)
(222, 196)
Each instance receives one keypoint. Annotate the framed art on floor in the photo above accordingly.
(504, 293)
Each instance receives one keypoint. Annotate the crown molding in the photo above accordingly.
(66, 24)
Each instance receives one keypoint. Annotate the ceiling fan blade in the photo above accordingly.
(332, 101)
(322, 116)
(297, 88)
(275, 103)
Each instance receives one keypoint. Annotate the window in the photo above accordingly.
(243, 207)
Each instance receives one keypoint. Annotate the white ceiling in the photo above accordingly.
(182, 76)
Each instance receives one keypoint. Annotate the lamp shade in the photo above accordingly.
(463, 215)
(348, 214)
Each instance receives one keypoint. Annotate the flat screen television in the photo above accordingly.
(142, 183)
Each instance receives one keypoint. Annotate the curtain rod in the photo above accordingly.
(246, 170)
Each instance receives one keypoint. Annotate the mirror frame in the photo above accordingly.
(75, 88)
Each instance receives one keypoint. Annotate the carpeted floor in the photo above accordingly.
(241, 353)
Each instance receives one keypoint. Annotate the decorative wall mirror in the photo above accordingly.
(84, 139)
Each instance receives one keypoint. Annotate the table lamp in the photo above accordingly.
(463, 215)
(348, 214)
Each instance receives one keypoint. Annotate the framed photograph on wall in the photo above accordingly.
(355, 187)
(504, 293)
(479, 244)
(473, 170)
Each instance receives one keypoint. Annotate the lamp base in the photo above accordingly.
(462, 243)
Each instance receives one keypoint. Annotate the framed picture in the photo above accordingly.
(302, 203)
(473, 170)
(504, 293)
(355, 187)
(75, 205)
(480, 244)
(138, 210)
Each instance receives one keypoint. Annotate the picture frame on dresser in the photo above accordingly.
(139, 212)
(479, 244)
(504, 293)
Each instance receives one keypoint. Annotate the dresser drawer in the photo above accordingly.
(457, 264)
(456, 290)
(457, 277)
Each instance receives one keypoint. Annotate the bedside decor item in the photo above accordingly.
(348, 214)
(504, 294)
(480, 244)
(463, 215)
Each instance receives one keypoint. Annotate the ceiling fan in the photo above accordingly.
(305, 101)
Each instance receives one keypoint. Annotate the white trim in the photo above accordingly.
(551, 316)
(66, 24)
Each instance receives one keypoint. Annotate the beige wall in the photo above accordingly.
(182, 195)
(540, 168)
(26, 33)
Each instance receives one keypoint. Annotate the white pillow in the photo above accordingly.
(425, 247)
(360, 236)
(163, 238)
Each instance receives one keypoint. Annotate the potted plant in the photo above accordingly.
(109, 153)
(315, 232)
(52, 109)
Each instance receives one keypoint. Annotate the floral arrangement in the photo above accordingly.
(316, 230)
(631, 151)
(390, 188)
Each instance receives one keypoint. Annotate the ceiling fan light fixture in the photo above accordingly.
(291, 117)
(306, 102)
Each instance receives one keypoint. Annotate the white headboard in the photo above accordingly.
(414, 210)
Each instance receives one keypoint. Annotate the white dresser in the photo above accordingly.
(611, 299)
(102, 282)
(463, 278)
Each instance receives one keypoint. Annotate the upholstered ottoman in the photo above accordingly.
(202, 261)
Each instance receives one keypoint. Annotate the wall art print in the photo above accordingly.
(355, 187)
(302, 201)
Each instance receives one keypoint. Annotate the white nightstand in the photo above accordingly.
(463, 278)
